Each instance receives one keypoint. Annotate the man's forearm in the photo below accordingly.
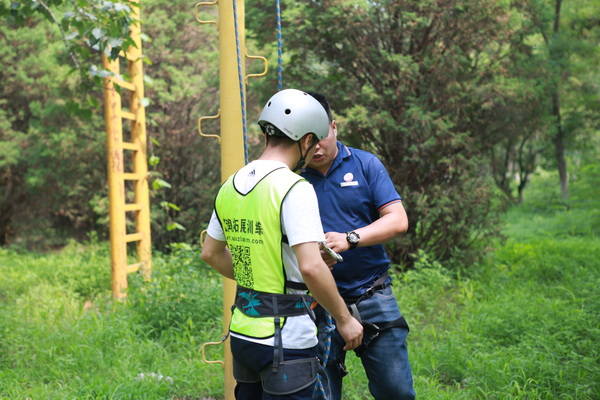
(391, 222)
(216, 254)
(222, 264)
(381, 230)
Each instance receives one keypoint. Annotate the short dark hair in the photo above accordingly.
(278, 140)
(284, 141)
(323, 100)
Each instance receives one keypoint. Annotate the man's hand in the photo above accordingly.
(337, 241)
(351, 331)
(322, 287)
(329, 259)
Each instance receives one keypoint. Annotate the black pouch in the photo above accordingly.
(290, 377)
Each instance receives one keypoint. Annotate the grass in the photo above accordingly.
(62, 337)
(523, 324)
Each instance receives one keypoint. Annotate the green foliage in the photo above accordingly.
(563, 37)
(52, 151)
(578, 216)
(407, 80)
(54, 142)
(86, 26)
(520, 325)
(181, 296)
(63, 337)
(526, 335)
(448, 94)
(183, 87)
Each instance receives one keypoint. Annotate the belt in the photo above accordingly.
(379, 284)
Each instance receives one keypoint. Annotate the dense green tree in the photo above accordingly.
(51, 128)
(183, 87)
(567, 40)
(85, 27)
(515, 120)
(52, 162)
(409, 81)
(447, 93)
(51, 143)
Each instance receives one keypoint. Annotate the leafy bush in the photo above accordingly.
(585, 187)
(183, 295)
(52, 141)
(62, 335)
(545, 215)
(402, 89)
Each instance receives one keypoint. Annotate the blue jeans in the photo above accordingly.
(385, 360)
(256, 357)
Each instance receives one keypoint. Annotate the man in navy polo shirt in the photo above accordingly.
(360, 209)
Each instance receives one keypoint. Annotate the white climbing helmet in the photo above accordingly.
(294, 113)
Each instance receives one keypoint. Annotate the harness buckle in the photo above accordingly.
(372, 332)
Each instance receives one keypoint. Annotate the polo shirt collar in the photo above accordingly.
(343, 153)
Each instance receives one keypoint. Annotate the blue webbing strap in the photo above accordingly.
(279, 47)
(320, 392)
(241, 80)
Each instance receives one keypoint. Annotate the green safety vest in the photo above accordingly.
(252, 226)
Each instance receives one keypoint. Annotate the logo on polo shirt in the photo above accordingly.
(348, 180)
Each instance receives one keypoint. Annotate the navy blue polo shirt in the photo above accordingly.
(350, 196)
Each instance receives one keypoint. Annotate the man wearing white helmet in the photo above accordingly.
(265, 233)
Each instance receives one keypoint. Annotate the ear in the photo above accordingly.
(334, 127)
(307, 140)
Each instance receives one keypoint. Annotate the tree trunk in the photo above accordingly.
(559, 139)
(5, 228)
(559, 147)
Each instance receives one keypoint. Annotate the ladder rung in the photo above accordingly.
(128, 115)
(134, 267)
(130, 146)
(132, 177)
(133, 207)
(124, 84)
(133, 237)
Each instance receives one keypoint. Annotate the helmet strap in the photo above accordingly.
(302, 161)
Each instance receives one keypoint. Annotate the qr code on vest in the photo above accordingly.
(242, 271)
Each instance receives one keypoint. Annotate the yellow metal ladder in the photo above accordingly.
(123, 208)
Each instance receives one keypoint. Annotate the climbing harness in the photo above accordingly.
(372, 330)
(284, 377)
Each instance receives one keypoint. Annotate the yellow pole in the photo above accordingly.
(138, 136)
(116, 187)
(232, 142)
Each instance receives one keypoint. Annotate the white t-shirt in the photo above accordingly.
(301, 223)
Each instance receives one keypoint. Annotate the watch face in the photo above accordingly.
(353, 237)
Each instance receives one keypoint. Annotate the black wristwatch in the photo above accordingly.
(353, 238)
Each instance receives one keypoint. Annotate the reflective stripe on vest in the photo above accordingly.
(252, 227)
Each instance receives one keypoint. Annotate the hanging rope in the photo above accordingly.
(320, 392)
(279, 47)
(241, 80)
